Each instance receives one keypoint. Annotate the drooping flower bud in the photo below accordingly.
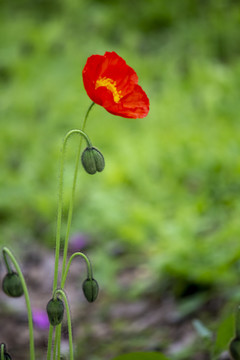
(92, 160)
(12, 285)
(90, 289)
(234, 349)
(55, 311)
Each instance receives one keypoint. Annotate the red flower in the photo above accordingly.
(111, 83)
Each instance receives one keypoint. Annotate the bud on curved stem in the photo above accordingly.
(70, 212)
(62, 293)
(12, 285)
(55, 311)
(88, 263)
(27, 300)
(92, 160)
(90, 289)
(59, 216)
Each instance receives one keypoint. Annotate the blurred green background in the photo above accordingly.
(168, 200)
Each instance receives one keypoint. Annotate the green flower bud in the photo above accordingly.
(12, 285)
(92, 160)
(90, 289)
(55, 311)
(234, 349)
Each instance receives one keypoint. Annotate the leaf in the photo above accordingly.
(224, 334)
(141, 356)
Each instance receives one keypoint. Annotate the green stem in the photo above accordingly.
(9, 270)
(28, 305)
(59, 342)
(62, 293)
(89, 271)
(88, 263)
(59, 215)
(70, 211)
(56, 342)
(2, 351)
(50, 335)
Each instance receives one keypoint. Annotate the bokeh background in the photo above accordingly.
(161, 223)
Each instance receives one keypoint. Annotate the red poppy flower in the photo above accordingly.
(111, 83)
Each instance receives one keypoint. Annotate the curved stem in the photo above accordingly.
(88, 263)
(9, 270)
(70, 211)
(28, 305)
(59, 215)
(62, 293)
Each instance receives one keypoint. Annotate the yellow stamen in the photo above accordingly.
(110, 85)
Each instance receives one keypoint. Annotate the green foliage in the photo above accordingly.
(141, 356)
(224, 334)
(170, 192)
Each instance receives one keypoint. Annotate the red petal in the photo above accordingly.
(90, 75)
(114, 67)
(134, 105)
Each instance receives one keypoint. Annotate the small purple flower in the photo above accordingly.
(78, 242)
(40, 319)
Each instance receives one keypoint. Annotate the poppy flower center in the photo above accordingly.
(110, 85)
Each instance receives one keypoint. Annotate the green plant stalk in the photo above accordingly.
(88, 263)
(59, 218)
(59, 215)
(56, 343)
(9, 270)
(50, 336)
(28, 305)
(62, 293)
(59, 341)
(2, 351)
(89, 272)
(70, 211)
